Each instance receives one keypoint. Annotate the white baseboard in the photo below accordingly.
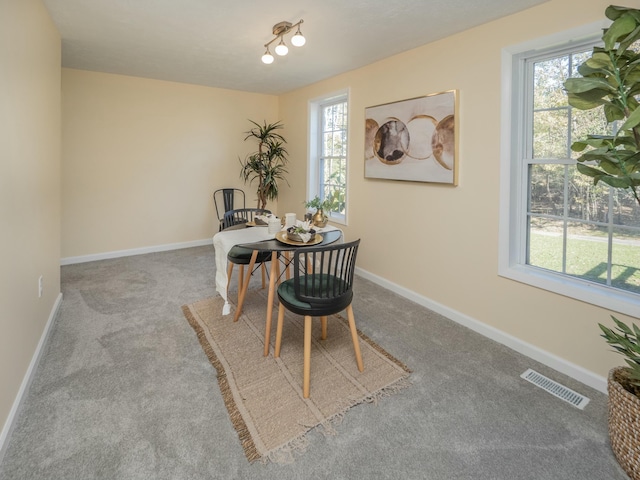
(135, 251)
(26, 381)
(549, 359)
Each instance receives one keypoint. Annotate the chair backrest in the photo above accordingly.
(241, 215)
(323, 276)
(227, 199)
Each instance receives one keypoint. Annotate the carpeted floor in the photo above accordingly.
(124, 391)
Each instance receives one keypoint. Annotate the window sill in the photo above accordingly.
(339, 219)
(601, 296)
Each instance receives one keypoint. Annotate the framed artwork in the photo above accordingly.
(414, 140)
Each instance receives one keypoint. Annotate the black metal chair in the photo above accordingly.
(239, 255)
(240, 216)
(226, 199)
(322, 285)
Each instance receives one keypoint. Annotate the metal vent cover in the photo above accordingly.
(556, 389)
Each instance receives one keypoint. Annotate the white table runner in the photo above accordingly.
(226, 240)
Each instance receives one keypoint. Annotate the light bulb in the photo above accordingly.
(281, 48)
(298, 40)
(267, 57)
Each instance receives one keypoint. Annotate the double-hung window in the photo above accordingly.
(559, 231)
(328, 152)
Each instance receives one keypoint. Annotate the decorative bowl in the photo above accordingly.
(291, 235)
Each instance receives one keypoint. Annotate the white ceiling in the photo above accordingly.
(219, 43)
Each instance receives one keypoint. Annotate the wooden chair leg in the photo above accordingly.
(270, 297)
(354, 337)
(323, 323)
(229, 272)
(279, 331)
(263, 269)
(307, 357)
(245, 286)
(240, 281)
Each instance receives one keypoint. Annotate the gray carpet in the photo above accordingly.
(124, 391)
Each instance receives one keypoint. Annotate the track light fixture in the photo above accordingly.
(279, 31)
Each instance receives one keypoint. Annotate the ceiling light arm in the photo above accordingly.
(281, 29)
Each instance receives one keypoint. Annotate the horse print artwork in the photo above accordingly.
(413, 140)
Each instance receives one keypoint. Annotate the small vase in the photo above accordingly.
(320, 219)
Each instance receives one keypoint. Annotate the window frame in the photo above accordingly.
(314, 175)
(515, 117)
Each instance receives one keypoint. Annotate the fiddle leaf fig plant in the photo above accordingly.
(611, 80)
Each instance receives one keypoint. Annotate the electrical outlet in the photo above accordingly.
(40, 287)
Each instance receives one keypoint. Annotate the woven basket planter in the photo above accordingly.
(624, 424)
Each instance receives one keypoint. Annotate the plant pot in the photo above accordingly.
(624, 424)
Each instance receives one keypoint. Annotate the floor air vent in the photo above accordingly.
(554, 388)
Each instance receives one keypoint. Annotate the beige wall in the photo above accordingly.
(447, 244)
(142, 157)
(29, 185)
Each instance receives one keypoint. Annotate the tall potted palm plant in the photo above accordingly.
(267, 165)
(610, 79)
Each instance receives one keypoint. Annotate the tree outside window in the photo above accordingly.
(333, 155)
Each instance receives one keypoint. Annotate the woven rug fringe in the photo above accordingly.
(236, 418)
(285, 454)
(388, 391)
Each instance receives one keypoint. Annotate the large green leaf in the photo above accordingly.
(613, 112)
(587, 71)
(635, 90)
(632, 103)
(587, 170)
(621, 27)
(595, 141)
(600, 152)
(579, 146)
(616, 182)
(610, 168)
(581, 84)
(590, 157)
(599, 60)
(628, 40)
(632, 121)
(612, 12)
(629, 156)
(588, 100)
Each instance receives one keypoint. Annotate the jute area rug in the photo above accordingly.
(263, 395)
